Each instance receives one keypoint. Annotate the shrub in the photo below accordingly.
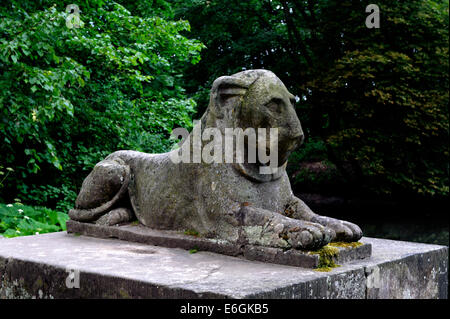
(71, 96)
(21, 220)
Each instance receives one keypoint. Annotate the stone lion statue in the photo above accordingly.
(227, 201)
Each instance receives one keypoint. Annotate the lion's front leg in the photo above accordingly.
(265, 228)
(344, 231)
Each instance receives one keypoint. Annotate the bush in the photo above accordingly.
(21, 220)
(377, 98)
(71, 96)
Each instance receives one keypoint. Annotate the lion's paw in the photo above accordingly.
(306, 235)
(265, 228)
(345, 231)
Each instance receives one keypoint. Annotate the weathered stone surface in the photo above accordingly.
(416, 275)
(233, 201)
(35, 267)
(175, 239)
(346, 255)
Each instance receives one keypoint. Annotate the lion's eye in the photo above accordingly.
(274, 105)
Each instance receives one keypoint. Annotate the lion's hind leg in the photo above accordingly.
(102, 190)
(116, 216)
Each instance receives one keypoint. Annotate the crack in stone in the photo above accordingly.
(208, 274)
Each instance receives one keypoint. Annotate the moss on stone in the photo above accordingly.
(325, 269)
(191, 232)
(124, 294)
(39, 283)
(326, 258)
(345, 244)
(329, 252)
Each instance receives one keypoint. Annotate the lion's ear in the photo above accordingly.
(226, 88)
(230, 91)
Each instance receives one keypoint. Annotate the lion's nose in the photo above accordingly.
(299, 138)
(295, 131)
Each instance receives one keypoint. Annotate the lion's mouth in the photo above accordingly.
(282, 150)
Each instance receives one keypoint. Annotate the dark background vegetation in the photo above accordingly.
(373, 102)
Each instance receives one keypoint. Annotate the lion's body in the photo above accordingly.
(205, 196)
(229, 201)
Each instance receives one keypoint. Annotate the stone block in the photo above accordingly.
(40, 267)
(173, 239)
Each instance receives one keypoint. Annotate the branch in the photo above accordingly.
(296, 37)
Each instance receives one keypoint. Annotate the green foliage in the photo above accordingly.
(69, 97)
(374, 102)
(314, 149)
(21, 220)
(4, 173)
(386, 100)
(63, 198)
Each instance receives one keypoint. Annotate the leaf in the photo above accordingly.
(62, 219)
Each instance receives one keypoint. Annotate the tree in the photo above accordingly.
(373, 101)
(383, 102)
(70, 96)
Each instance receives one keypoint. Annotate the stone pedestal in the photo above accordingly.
(54, 265)
(174, 239)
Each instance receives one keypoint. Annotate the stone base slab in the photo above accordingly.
(173, 239)
(47, 266)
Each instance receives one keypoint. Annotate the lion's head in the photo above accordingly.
(255, 99)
